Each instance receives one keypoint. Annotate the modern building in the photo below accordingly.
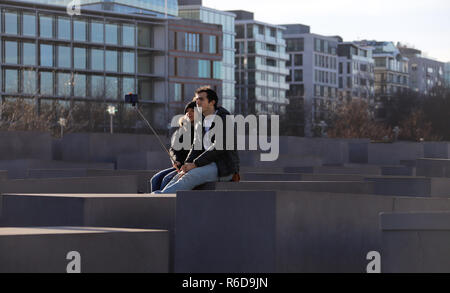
(195, 60)
(155, 8)
(391, 72)
(424, 73)
(447, 74)
(356, 73)
(193, 9)
(261, 66)
(313, 74)
(94, 59)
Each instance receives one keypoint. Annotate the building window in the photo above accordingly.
(79, 30)
(11, 23)
(111, 34)
(204, 69)
(79, 85)
(217, 70)
(298, 60)
(128, 86)
(298, 75)
(111, 61)
(112, 88)
(46, 85)
(128, 62)
(178, 92)
(79, 58)
(29, 25)
(213, 44)
(64, 84)
(64, 56)
(29, 54)
(45, 26)
(64, 28)
(192, 42)
(11, 52)
(46, 55)
(295, 45)
(97, 59)
(97, 86)
(128, 35)
(97, 32)
(11, 84)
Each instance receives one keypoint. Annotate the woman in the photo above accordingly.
(161, 179)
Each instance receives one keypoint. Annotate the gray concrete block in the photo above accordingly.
(102, 250)
(90, 210)
(415, 242)
(437, 150)
(102, 184)
(143, 161)
(398, 171)
(393, 153)
(282, 232)
(349, 169)
(143, 176)
(358, 153)
(433, 167)
(25, 145)
(410, 186)
(317, 186)
(299, 177)
(19, 168)
(104, 147)
(3, 175)
(408, 163)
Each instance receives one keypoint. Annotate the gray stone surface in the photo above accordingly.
(411, 186)
(19, 168)
(433, 167)
(398, 171)
(143, 175)
(25, 145)
(300, 177)
(393, 153)
(90, 210)
(104, 147)
(415, 242)
(144, 161)
(102, 250)
(437, 150)
(285, 232)
(102, 184)
(358, 152)
(3, 175)
(317, 186)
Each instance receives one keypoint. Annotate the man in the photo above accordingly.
(208, 164)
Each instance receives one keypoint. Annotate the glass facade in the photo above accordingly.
(89, 57)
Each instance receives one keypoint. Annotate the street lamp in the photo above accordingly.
(62, 122)
(111, 111)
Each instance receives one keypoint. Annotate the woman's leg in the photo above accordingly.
(156, 180)
(167, 179)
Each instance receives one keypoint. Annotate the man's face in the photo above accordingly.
(202, 101)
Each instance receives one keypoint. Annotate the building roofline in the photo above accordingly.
(252, 21)
(61, 8)
(186, 7)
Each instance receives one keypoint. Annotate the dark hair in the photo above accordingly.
(190, 105)
(210, 94)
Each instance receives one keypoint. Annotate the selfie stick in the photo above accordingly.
(133, 100)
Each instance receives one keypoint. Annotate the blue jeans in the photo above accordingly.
(193, 178)
(161, 179)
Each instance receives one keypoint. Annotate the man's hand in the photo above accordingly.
(187, 167)
(177, 166)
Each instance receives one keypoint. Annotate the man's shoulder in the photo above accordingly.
(221, 111)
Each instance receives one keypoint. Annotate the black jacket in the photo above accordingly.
(227, 161)
(181, 155)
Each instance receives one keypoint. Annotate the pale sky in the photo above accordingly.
(425, 24)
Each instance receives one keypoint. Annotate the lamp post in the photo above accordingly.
(111, 111)
(62, 122)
